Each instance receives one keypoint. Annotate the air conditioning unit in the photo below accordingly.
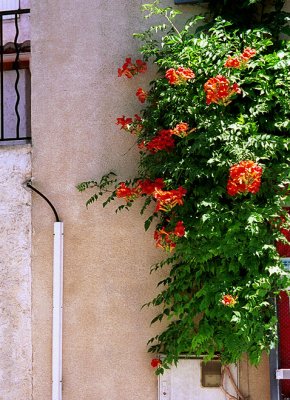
(194, 379)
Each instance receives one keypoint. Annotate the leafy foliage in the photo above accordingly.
(229, 242)
(106, 181)
(253, 13)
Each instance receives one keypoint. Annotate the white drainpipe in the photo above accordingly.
(57, 312)
(57, 302)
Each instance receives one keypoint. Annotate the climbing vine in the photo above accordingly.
(213, 136)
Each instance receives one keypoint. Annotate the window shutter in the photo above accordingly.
(283, 305)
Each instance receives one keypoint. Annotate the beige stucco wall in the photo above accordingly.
(15, 275)
(77, 47)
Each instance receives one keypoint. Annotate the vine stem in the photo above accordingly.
(130, 148)
(172, 24)
(226, 370)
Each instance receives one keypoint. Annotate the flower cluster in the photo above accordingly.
(146, 187)
(241, 60)
(248, 53)
(182, 130)
(129, 69)
(162, 141)
(245, 177)
(228, 300)
(219, 90)
(131, 125)
(129, 194)
(167, 199)
(179, 76)
(167, 240)
(142, 95)
(233, 62)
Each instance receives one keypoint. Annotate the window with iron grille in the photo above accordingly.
(14, 75)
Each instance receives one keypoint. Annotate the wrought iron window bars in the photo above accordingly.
(16, 65)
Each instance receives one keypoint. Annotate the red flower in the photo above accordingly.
(181, 129)
(141, 94)
(179, 76)
(167, 199)
(245, 177)
(248, 53)
(185, 73)
(148, 187)
(155, 363)
(127, 193)
(163, 240)
(218, 90)
(166, 240)
(172, 76)
(129, 125)
(141, 66)
(232, 62)
(179, 229)
(162, 141)
(228, 300)
(241, 60)
(129, 69)
(142, 145)
(124, 122)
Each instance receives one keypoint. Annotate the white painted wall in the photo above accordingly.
(15, 274)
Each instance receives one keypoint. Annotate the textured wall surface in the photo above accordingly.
(77, 47)
(15, 275)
